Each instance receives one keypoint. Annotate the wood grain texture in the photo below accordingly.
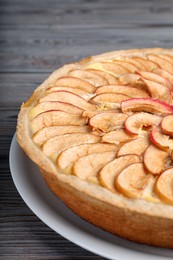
(36, 37)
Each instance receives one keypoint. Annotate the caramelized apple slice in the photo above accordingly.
(54, 105)
(77, 91)
(127, 64)
(68, 157)
(147, 105)
(56, 117)
(158, 91)
(132, 80)
(137, 146)
(68, 97)
(114, 69)
(118, 136)
(155, 78)
(135, 123)
(73, 82)
(110, 171)
(161, 140)
(109, 98)
(163, 186)
(155, 159)
(46, 133)
(60, 143)
(129, 91)
(132, 181)
(110, 78)
(164, 64)
(168, 76)
(149, 65)
(167, 125)
(89, 165)
(92, 78)
(107, 122)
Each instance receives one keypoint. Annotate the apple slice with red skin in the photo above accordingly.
(72, 82)
(149, 64)
(155, 159)
(111, 170)
(125, 90)
(151, 76)
(88, 76)
(107, 122)
(163, 73)
(109, 98)
(147, 105)
(158, 91)
(69, 156)
(163, 186)
(89, 165)
(118, 136)
(161, 140)
(54, 105)
(110, 78)
(59, 143)
(132, 181)
(56, 117)
(164, 64)
(46, 133)
(135, 123)
(167, 125)
(68, 97)
(137, 146)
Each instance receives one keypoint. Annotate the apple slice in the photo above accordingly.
(88, 76)
(158, 91)
(131, 79)
(110, 78)
(89, 165)
(72, 82)
(137, 63)
(118, 136)
(59, 143)
(155, 159)
(109, 67)
(56, 117)
(161, 140)
(111, 170)
(135, 123)
(163, 64)
(149, 65)
(127, 64)
(109, 98)
(151, 76)
(167, 125)
(54, 105)
(125, 90)
(46, 133)
(168, 76)
(77, 91)
(167, 57)
(69, 156)
(163, 186)
(132, 181)
(137, 146)
(91, 113)
(107, 122)
(147, 105)
(68, 97)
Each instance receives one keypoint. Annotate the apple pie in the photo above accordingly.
(101, 132)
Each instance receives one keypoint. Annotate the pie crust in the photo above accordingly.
(100, 132)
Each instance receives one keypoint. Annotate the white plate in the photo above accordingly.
(58, 217)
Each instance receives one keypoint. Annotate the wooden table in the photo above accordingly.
(36, 37)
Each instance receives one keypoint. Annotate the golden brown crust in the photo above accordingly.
(136, 220)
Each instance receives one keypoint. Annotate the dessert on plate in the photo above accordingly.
(101, 132)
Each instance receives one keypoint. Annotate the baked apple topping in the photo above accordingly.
(110, 122)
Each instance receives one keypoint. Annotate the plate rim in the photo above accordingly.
(87, 246)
